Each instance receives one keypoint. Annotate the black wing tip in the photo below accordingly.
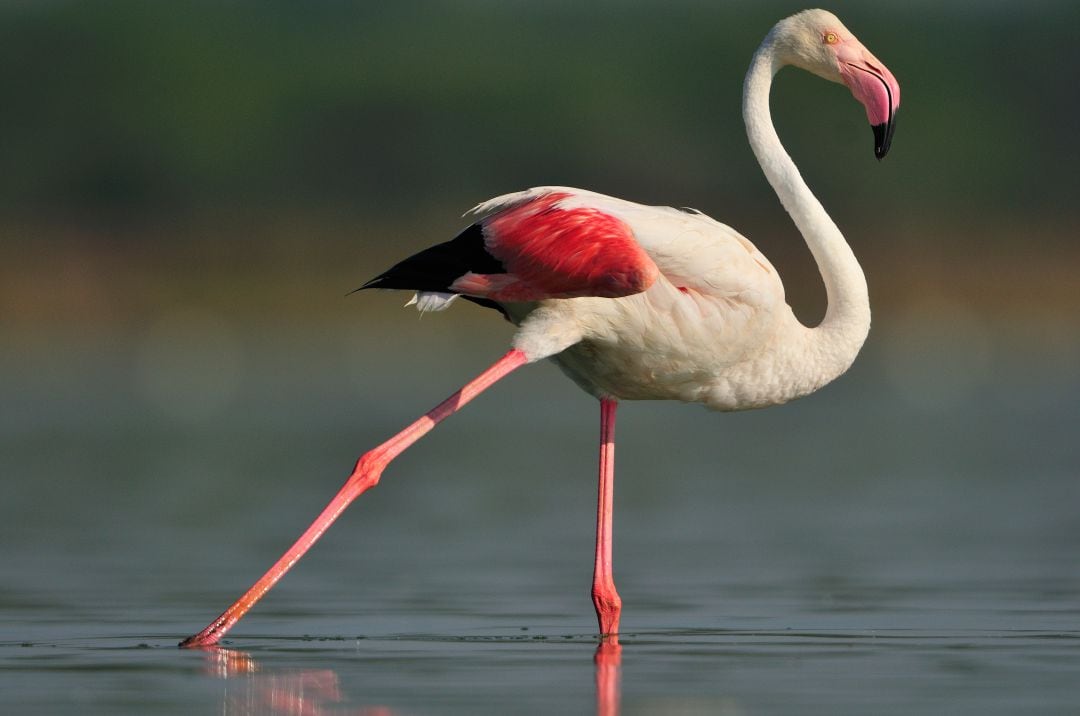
(373, 283)
(437, 267)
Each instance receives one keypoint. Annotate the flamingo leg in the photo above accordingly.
(605, 598)
(365, 476)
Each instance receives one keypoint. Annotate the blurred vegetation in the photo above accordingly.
(146, 144)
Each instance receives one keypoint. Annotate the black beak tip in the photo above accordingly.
(883, 134)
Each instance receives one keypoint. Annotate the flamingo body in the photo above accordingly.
(634, 302)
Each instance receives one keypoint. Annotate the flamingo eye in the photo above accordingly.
(831, 38)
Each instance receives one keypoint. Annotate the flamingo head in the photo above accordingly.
(818, 42)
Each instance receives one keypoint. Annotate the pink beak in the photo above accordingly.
(872, 84)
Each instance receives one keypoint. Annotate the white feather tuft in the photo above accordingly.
(426, 301)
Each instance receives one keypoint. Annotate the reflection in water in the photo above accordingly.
(293, 692)
(608, 660)
(253, 689)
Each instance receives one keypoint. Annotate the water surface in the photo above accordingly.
(855, 552)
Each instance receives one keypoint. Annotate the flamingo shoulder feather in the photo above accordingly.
(552, 248)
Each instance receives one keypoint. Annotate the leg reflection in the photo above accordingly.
(608, 661)
(253, 689)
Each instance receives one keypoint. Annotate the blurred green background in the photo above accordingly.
(189, 190)
(261, 157)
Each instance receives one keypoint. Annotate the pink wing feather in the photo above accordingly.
(555, 252)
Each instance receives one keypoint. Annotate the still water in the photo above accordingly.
(867, 550)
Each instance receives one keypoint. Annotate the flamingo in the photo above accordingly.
(639, 302)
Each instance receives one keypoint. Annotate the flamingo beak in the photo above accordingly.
(875, 87)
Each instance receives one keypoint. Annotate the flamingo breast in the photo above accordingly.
(672, 344)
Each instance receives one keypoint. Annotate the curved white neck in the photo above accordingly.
(832, 346)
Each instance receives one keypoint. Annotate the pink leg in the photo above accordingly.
(605, 598)
(365, 476)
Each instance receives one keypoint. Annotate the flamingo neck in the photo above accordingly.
(830, 348)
